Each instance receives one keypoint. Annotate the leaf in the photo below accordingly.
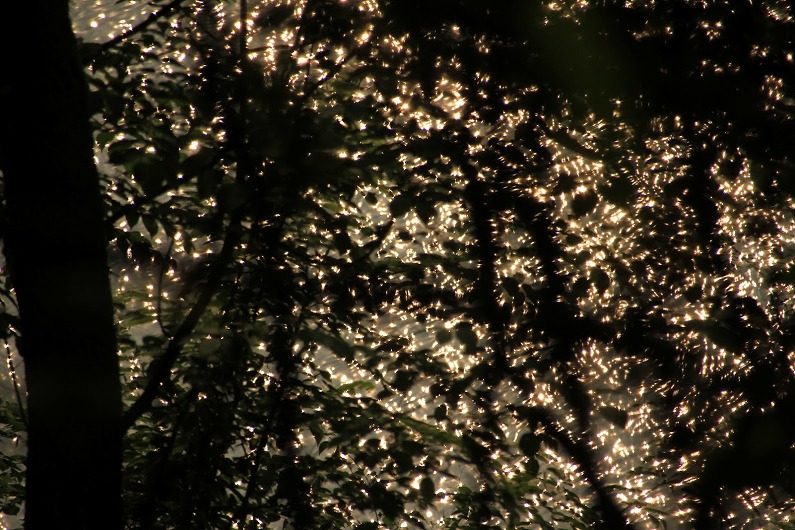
(784, 276)
(401, 203)
(151, 173)
(618, 191)
(532, 467)
(529, 444)
(583, 203)
(600, 279)
(717, 333)
(428, 432)
(614, 415)
(404, 380)
(198, 162)
(232, 196)
(332, 342)
(272, 17)
(427, 489)
(124, 153)
(477, 451)
(467, 336)
(426, 211)
(208, 181)
(6, 322)
(356, 386)
(151, 225)
(443, 336)
(209, 348)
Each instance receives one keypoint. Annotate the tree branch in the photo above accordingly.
(486, 286)
(141, 26)
(160, 369)
(612, 516)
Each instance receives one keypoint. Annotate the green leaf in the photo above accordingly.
(784, 276)
(531, 467)
(124, 153)
(208, 181)
(198, 162)
(477, 451)
(600, 279)
(232, 196)
(332, 342)
(428, 432)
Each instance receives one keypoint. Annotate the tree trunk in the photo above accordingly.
(55, 248)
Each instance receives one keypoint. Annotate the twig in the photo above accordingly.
(145, 23)
(286, 365)
(612, 515)
(156, 479)
(162, 273)
(243, 29)
(333, 70)
(283, 385)
(160, 368)
(477, 195)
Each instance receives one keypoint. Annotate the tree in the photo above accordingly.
(54, 241)
(456, 264)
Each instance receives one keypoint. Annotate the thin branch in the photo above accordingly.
(486, 286)
(243, 30)
(281, 345)
(141, 26)
(156, 479)
(612, 516)
(280, 348)
(160, 369)
(160, 276)
(333, 70)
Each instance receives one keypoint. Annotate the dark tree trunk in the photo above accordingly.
(55, 248)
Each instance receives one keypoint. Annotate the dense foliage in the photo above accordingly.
(450, 264)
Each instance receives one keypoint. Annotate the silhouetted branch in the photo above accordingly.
(160, 277)
(160, 368)
(612, 516)
(158, 475)
(486, 288)
(165, 10)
